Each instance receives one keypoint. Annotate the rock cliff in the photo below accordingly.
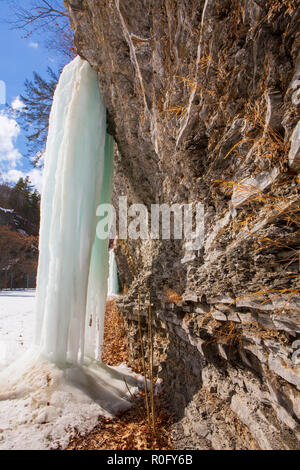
(203, 102)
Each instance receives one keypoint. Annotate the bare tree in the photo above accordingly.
(48, 17)
(39, 14)
(50, 20)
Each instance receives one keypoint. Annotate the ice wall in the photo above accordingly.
(99, 269)
(73, 264)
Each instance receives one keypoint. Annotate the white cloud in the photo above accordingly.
(35, 177)
(9, 131)
(17, 104)
(10, 157)
(12, 176)
(33, 44)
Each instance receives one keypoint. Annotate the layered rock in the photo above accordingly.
(203, 102)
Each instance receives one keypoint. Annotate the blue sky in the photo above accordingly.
(20, 57)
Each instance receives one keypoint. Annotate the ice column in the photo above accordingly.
(73, 263)
(113, 285)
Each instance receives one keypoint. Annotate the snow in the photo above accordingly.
(6, 210)
(16, 324)
(41, 403)
(22, 232)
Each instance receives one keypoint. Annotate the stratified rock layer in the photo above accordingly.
(203, 102)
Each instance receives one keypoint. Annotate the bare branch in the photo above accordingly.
(41, 15)
(49, 17)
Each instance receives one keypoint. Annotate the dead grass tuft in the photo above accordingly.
(128, 431)
(227, 333)
(172, 296)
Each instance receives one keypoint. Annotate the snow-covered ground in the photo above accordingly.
(16, 324)
(40, 403)
(6, 210)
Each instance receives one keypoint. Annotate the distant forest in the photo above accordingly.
(23, 199)
(19, 228)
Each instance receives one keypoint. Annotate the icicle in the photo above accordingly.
(113, 285)
(97, 288)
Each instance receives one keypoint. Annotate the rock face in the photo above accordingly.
(203, 102)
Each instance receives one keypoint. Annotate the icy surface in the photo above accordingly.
(97, 286)
(41, 404)
(113, 285)
(74, 164)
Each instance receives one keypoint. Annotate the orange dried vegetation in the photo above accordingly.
(172, 296)
(115, 350)
(128, 431)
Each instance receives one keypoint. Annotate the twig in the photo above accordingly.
(151, 367)
(133, 398)
(143, 359)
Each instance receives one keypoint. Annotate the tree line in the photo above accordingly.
(23, 199)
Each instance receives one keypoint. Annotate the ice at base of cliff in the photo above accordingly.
(41, 404)
(113, 284)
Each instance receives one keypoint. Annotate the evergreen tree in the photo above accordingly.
(35, 200)
(25, 201)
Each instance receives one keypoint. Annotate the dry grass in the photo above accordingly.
(115, 350)
(194, 85)
(123, 244)
(271, 143)
(228, 334)
(128, 431)
(146, 344)
(271, 294)
(178, 110)
(267, 243)
(172, 296)
(275, 8)
(142, 359)
(284, 209)
(206, 62)
(274, 205)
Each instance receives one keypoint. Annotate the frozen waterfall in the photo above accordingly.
(61, 380)
(73, 265)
